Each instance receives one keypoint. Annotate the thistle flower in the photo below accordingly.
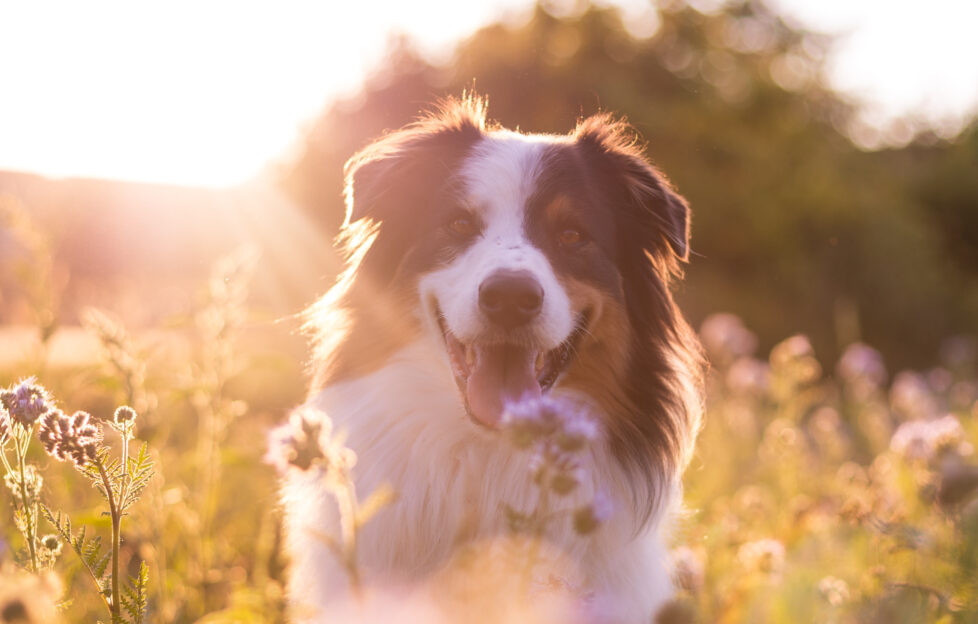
(25, 403)
(73, 437)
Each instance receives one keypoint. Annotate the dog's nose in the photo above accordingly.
(511, 298)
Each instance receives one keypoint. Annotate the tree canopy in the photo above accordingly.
(794, 227)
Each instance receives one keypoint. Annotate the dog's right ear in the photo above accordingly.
(401, 169)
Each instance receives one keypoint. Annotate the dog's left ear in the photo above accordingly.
(662, 213)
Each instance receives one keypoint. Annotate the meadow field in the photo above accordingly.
(833, 281)
(844, 492)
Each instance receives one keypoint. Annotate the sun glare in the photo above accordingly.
(198, 93)
(208, 93)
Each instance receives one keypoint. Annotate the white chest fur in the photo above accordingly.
(452, 479)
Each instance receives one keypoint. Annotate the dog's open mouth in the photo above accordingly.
(491, 375)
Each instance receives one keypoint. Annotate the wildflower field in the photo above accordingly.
(820, 491)
(148, 372)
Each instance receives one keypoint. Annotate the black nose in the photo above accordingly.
(510, 298)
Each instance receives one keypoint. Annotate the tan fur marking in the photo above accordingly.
(558, 206)
(600, 366)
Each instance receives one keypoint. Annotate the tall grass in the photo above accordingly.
(829, 492)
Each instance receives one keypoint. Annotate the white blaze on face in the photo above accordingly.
(499, 177)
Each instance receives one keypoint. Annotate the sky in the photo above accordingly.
(207, 93)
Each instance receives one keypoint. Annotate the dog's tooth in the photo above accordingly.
(541, 360)
(470, 355)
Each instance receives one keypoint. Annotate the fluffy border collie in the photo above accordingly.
(485, 265)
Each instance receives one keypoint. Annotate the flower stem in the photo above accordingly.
(114, 605)
(28, 515)
(539, 525)
(347, 502)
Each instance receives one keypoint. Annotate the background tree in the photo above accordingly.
(795, 228)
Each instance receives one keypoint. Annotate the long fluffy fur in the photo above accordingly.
(383, 380)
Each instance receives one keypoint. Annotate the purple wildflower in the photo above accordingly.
(726, 338)
(533, 419)
(748, 375)
(862, 364)
(25, 403)
(911, 396)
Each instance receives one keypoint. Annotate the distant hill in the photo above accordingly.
(144, 250)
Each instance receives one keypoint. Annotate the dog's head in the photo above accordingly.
(534, 261)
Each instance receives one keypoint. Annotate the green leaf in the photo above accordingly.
(134, 595)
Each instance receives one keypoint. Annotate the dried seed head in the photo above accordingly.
(74, 437)
(124, 415)
(297, 442)
(51, 543)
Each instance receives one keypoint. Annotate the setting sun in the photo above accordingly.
(197, 93)
(210, 93)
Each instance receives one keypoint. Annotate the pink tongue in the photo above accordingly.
(502, 373)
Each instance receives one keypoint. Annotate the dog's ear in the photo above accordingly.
(393, 173)
(662, 214)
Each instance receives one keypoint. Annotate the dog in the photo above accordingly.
(484, 266)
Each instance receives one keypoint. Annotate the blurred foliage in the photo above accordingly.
(845, 498)
(794, 227)
(820, 491)
(207, 524)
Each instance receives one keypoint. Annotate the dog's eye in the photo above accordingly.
(463, 227)
(570, 237)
